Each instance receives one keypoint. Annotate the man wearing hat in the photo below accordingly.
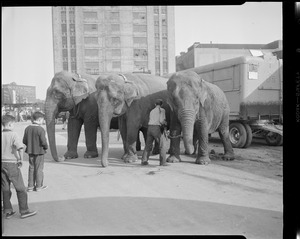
(157, 122)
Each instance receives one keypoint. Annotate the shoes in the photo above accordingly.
(9, 215)
(28, 214)
(30, 189)
(41, 188)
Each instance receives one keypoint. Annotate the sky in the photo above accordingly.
(27, 46)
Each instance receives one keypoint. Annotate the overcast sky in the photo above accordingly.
(27, 52)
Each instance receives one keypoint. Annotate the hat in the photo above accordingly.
(158, 102)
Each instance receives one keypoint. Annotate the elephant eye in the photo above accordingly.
(115, 101)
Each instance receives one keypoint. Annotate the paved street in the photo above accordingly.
(243, 197)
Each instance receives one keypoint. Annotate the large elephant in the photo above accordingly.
(74, 93)
(130, 97)
(201, 105)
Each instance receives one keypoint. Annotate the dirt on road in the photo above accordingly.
(240, 197)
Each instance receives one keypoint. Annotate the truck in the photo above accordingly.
(253, 87)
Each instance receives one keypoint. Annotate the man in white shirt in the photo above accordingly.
(157, 119)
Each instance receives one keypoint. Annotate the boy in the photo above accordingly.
(36, 146)
(11, 161)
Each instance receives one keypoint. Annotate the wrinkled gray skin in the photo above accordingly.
(128, 99)
(69, 92)
(200, 105)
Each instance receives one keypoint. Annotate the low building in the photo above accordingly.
(18, 94)
(200, 54)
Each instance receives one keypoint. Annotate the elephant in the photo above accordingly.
(201, 106)
(74, 93)
(130, 97)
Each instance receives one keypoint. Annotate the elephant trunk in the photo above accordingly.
(187, 120)
(51, 110)
(104, 122)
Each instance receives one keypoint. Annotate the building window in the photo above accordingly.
(65, 53)
(73, 40)
(115, 27)
(63, 17)
(72, 27)
(116, 52)
(140, 40)
(156, 30)
(115, 40)
(139, 8)
(163, 10)
(73, 66)
(140, 65)
(73, 53)
(114, 16)
(139, 15)
(165, 67)
(91, 40)
(140, 53)
(157, 52)
(164, 22)
(90, 27)
(91, 52)
(64, 40)
(139, 28)
(65, 66)
(92, 68)
(164, 29)
(63, 28)
(155, 10)
(71, 17)
(116, 64)
(90, 15)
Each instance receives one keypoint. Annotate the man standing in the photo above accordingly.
(156, 125)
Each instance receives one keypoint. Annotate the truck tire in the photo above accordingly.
(237, 135)
(249, 136)
(274, 139)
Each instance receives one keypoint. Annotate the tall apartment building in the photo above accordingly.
(105, 39)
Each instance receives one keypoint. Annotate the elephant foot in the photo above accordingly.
(164, 164)
(173, 159)
(71, 155)
(130, 158)
(203, 160)
(144, 163)
(228, 156)
(124, 156)
(91, 154)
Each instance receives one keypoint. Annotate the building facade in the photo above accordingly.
(204, 54)
(106, 39)
(18, 94)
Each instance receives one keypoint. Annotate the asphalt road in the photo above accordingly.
(226, 198)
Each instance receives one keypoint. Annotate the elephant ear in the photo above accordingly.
(130, 92)
(80, 88)
(202, 91)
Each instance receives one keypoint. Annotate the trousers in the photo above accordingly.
(35, 172)
(10, 173)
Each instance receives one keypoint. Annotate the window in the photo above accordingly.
(139, 15)
(139, 28)
(140, 53)
(72, 17)
(157, 52)
(63, 17)
(139, 8)
(90, 27)
(91, 52)
(165, 67)
(165, 53)
(73, 66)
(92, 68)
(65, 53)
(91, 40)
(155, 10)
(63, 28)
(73, 40)
(140, 41)
(156, 30)
(72, 27)
(164, 22)
(115, 27)
(90, 15)
(164, 29)
(116, 52)
(114, 16)
(116, 64)
(65, 66)
(140, 64)
(163, 10)
(115, 40)
(73, 53)
(64, 40)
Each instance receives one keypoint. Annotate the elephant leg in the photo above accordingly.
(74, 128)
(175, 135)
(123, 132)
(202, 131)
(90, 130)
(223, 131)
(131, 142)
(138, 142)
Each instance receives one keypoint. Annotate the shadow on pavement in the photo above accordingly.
(153, 216)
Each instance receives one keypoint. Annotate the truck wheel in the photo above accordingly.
(237, 135)
(274, 139)
(249, 135)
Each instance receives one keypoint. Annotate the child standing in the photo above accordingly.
(11, 161)
(36, 146)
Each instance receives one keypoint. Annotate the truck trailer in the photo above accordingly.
(253, 87)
